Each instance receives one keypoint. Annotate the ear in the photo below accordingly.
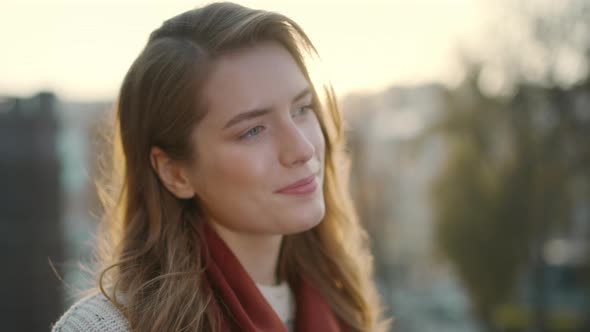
(172, 174)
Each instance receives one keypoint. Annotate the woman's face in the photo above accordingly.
(260, 135)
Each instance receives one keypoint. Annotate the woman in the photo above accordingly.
(232, 212)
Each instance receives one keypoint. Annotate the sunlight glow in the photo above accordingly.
(82, 49)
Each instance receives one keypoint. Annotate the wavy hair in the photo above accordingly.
(149, 249)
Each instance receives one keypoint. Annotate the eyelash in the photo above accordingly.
(307, 108)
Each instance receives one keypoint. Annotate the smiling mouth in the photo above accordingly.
(301, 187)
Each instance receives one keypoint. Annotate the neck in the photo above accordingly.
(258, 253)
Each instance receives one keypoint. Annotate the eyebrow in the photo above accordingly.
(260, 112)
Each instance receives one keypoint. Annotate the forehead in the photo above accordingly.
(260, 76)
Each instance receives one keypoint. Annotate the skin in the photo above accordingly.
(239, 169)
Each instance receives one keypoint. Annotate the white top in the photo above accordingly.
(282, 300)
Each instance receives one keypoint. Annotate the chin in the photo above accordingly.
(308, 221)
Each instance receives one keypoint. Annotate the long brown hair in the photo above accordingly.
(149, 240)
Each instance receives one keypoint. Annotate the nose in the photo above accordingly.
(296, 148)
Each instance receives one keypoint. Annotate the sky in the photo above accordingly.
(82, 49)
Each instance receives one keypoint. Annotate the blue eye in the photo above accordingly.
(303, 110)
(300, 111)
(252, 132)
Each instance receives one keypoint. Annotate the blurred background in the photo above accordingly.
(468, 124)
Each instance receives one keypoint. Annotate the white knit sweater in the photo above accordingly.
(93, 313)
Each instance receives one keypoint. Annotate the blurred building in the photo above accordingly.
(31, 205)
(80, 148)
(392, 169)
(396, 159)
(48, 205)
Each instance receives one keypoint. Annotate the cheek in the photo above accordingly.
(241, 166)
(321, 143)
(315, 135)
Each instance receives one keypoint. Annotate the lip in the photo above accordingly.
(304, 186)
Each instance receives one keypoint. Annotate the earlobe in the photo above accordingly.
(171, 174)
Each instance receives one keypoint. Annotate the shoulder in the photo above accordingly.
(93, 313)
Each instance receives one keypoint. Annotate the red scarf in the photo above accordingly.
(248, 307)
